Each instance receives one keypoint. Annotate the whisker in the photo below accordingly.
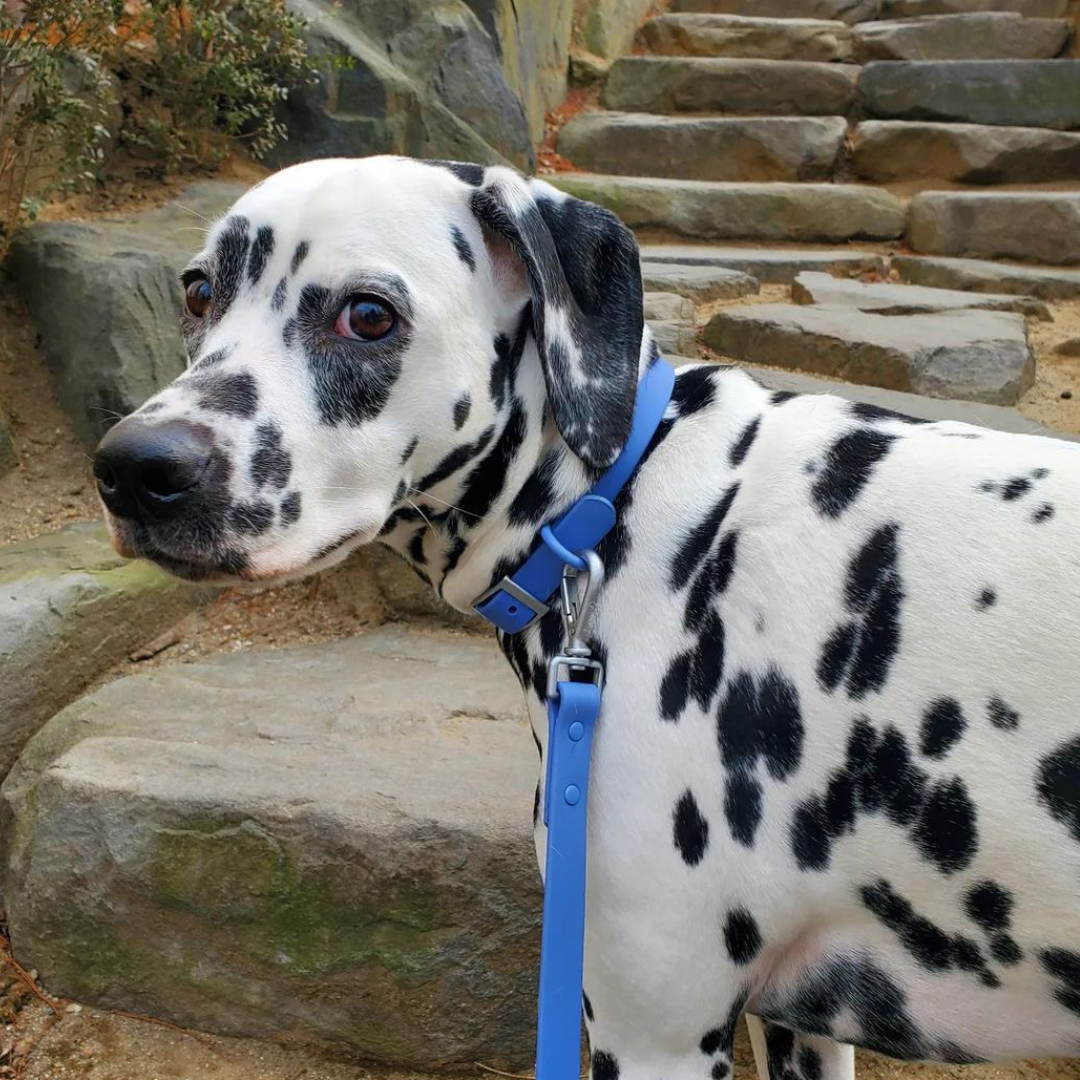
(420, 512)
(443, 502)
(195, 213)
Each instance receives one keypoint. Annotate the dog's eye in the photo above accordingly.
(365, 318)
(197, 296)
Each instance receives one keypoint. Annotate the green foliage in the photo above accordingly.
(54, 101)
(200, 75)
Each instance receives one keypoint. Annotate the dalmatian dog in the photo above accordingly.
(836, 779)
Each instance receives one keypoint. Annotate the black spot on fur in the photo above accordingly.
(504, 368)
(271, 463)
(986, 599)
(289, 510)
(261, 250)
(695, 546)
(1058, 785)
(943, 726)
(230, 262)
(742, 938)
(457, 459)
(281, 292)
(780, 396)
(947, 832)
(1005, 950)
(691, 829)
(211, 359)
(990, 906)
(252, 519)
(463, 170)
(536, 805)
(742, 445)
(810, 1063)
(1044, 513)
(1002, 716)
(694, 390)
(848, 465)
(675, 687)
(485, 483)
(534, 502)
(298, 256)
(926, 942)
(1014, 488)
(409, 450)
(463, 248)
(235, 395)
(462, 408)
(861, 410)
(587, 1006)
(604, 1066)
(1063, 965)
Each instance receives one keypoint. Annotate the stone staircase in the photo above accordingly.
(938, 133)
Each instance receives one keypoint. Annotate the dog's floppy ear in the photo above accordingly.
(585, 278)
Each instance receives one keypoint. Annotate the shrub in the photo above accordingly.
(200, 74)
(54, 100)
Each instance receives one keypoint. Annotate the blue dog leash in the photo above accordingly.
(567, 560)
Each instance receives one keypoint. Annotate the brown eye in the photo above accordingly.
(197, 296)
(365, 318)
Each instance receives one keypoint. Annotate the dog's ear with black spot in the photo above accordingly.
(585, 277)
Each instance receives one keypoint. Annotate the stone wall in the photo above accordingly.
(606, 28)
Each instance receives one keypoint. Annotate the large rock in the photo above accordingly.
(1019, 93)
(821, 40)
(1048, 283)
(606, 28)
(849, 11)
(1033, 9)
(329, 844)
(773, 265)
(105, 299)
(702, 284)
(887, 298)
(710, 211)
(671, 319)
(1039, 226)
(71, 608)
(705, 148)
(980, 36)
(661, 84)
(972, 355)
(884, 151)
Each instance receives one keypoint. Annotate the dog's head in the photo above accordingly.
(354, 326)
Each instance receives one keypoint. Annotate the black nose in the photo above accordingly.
(148, 470)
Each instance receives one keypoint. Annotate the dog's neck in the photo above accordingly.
(467, 530)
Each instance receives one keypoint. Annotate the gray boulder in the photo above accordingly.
(329, 844)
(71, 608)
(671, 319)
(606, 28)
(115, 284)
(887, 298)
(972, 355)
(981, 275)
(702, 284)
(821, 40)
(998, 35)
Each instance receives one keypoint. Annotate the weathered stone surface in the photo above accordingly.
(887, 298)
(890, 150)
(972, 355)
(606, 27)
(702, 284)
(662, 84)
(1071, 347)
(421, 79)
(1039, 226)
(330, 843)
(1048, 283)
(1017, 93)
(671, 319)
(821, 40)
(773, 265)
(997, 35)
(70, 608)
(705, 148)
(668, 306)
(711, 211)
(1034, 9)
(849, 11)
(7, 446)
(115, 283)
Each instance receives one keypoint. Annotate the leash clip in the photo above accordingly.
(578, 598)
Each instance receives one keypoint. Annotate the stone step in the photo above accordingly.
(333, 841)
(885, 151)
(849, 11)
(670, 317)
(1046, 282)
(1016, 93)
(702, 284)
(998, 35)
(705, 148)
(1032, 9)
(704, 210)
(777, 266)
(821, 40)
(889, 298)
(1038, 226)
(663, 84)
(970, 355)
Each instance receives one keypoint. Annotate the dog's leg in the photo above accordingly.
(782, 1054)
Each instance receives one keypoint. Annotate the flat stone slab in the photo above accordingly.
(702, 210)
(820, 40)
(705, 148)
(1032, 9)
(702, 284)
(1015, 93)
(889, 150)
(772, 265)
(987, 35)
(887, 298)
(1045, 282)
(331, 844)
(849, 11)
(971, 355)
(1039, 226)
(71, 608)
(116, 282)
(662, 84)
(671, 319)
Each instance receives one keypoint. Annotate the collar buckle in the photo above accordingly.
(516, 592)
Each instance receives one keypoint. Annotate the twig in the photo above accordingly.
(166, 1024)
(24, 977)
(499, 1072)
